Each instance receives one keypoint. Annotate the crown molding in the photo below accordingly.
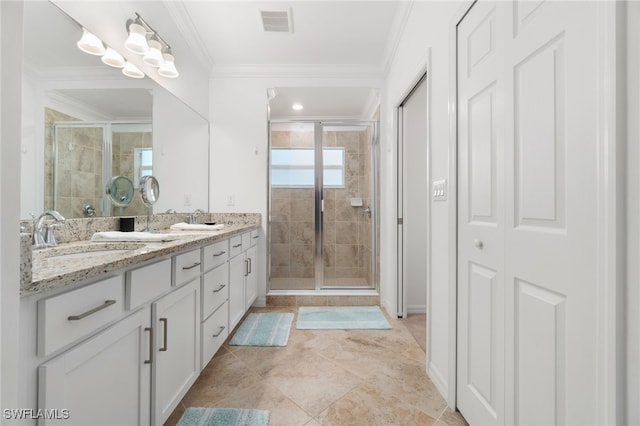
(76, 108)
(371, 105)
(181, 17)
(395, 35)
(101, 72)
(295, 70)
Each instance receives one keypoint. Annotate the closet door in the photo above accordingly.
(481, 215)
(528, 213)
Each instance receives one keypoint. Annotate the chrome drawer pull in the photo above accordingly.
(257, 236)
(166, 326)
(250, 266)
(237, 245)
(219, 253)
(186, 268)
(220, 288)
(219, 332)
(106, 304)
(150, 330)
(246, 268)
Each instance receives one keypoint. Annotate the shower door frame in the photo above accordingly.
(318, 262)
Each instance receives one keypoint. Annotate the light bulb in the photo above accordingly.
(168, 68)
(90, 44)
(113, 58)
(137, 40)
(154, 54)
(131, 70)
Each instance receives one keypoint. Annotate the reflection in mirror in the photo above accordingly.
(84, 122)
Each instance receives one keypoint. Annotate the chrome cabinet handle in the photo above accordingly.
(219, 332)
(257, 236)
(237, 245)
(220, 288)
(219, 253)
(250, 266)
(166, 326)
(150, 360)
(106, 304)
(186, 268)
(246, 268)
(479, 245)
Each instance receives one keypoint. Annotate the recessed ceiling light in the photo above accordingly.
(297, 107)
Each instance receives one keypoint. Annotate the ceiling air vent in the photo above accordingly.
(276, 21)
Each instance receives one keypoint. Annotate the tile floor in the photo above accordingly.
(326, 377)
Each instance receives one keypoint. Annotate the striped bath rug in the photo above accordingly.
(264, 329)
(341, 318)
(196, 416)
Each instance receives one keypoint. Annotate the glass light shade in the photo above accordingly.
(113, 58)
(168, 69)
(131, 70)
(90, 44)
(154, 54)
(137, 40)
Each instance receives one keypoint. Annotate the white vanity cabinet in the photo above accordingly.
(215, 299)
(103, 381)
(176, 323)
(243, 276)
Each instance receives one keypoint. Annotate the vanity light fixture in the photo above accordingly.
(168, 68)
(155, 51)
(90, 44)
(113, 58)
(130, 70)
(297, 107)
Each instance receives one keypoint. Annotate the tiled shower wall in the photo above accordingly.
(79, 166)
(347, 242)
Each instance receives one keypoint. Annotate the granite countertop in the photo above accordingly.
(50, 274)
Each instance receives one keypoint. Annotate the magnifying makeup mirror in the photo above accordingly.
(120, 191)
(150, 192)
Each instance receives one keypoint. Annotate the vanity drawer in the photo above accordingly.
(70, 316)
(214, 332)
(246, 240)
(255, 234)
(215, 254)
(147, 283)
(235, 245)
(215, 289)
(187, 267)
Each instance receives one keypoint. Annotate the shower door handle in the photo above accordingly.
(367, 211)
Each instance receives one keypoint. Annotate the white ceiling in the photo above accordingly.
(342, 33)
(322, 102)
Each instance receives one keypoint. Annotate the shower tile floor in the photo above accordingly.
(326, 377)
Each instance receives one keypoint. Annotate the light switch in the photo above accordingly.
(440, 190)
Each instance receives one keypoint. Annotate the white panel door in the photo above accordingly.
(551, 238)
(480, 377)
(528, 173)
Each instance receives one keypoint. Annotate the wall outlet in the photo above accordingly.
(187, 200)
(231, 200)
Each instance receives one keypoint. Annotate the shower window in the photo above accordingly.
(143, 164)
(294, 167)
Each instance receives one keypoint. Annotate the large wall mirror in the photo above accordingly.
(85, 122)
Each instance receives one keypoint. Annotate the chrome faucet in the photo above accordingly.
(193, 217)
(40, 239)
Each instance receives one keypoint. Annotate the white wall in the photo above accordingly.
(633, 213)
(10, 129)
(240, 143)
(426, 30)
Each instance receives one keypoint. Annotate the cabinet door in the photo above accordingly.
(237, 272)
(103, 381)
(176, 319)
(251, 280)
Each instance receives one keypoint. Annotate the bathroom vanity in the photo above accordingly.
(118, 338)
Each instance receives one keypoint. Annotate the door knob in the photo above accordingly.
(478, 244)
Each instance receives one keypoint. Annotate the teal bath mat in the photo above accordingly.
(341, 318)
(195, 416)
(263, 329)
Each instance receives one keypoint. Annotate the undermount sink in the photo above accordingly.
(84, 251)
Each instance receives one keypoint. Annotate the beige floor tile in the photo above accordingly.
(367, 405)
(417, 326)
(453, 418)
(262, 396)
(175, 416)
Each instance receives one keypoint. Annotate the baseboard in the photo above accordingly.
(438, 380)
(260, 302)
(417, 309)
